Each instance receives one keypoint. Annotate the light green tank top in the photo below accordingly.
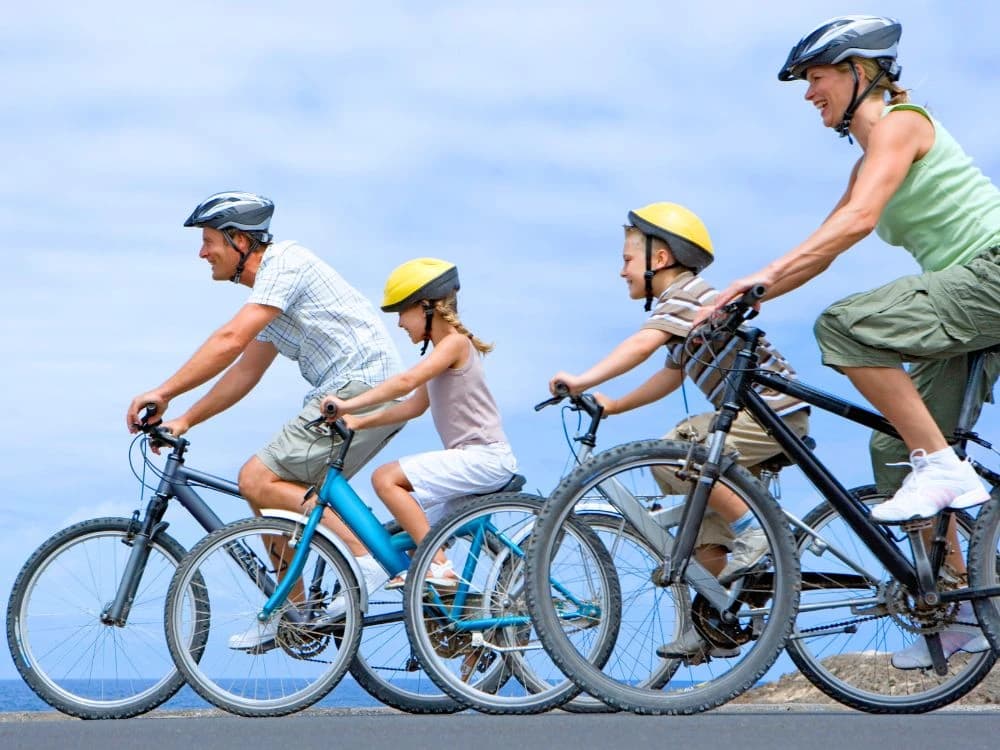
(946, 211)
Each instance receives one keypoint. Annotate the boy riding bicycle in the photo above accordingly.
(666, 249)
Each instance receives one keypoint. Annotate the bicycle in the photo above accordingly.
(311, 643)
(85, 614)
(755, 611)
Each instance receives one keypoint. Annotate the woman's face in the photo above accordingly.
(830, 91)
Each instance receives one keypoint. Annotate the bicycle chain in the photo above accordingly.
(842, 623)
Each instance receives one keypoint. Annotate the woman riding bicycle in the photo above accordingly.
(916, 187)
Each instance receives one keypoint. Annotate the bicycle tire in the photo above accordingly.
(509, 651)
(388, 669)
(280, 677)
(83, 572)
(694, 686)
(984, 567)
(829, 658)
(628, 551)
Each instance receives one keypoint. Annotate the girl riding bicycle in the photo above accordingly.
(476, 458)
(916, 187)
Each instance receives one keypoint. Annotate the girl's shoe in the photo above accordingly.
(442, 576)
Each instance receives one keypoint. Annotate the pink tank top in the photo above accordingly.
(462, 406)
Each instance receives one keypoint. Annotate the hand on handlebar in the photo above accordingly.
(734, 291)
(564, 384)
(152, 403)
(332, 408)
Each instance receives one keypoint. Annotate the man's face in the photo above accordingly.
(218, 253)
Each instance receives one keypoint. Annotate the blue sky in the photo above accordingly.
(511, 140)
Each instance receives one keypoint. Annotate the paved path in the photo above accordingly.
(744, 727)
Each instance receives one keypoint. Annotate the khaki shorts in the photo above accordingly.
(301, 454)
(930, 320)
(749, 445)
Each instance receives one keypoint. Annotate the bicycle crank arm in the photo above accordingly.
(479, 642)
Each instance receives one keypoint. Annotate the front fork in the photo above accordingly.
(140, 538)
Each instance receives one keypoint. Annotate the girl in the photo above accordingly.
(476, 458)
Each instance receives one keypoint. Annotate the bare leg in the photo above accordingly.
(393, 489)
(891, 392)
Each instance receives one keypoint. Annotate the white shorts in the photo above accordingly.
(440, 476)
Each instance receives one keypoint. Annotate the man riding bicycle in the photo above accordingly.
(299, 307)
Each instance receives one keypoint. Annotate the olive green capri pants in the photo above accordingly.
(747, 443)
(931, 321)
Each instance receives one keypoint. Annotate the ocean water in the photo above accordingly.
(15, 695)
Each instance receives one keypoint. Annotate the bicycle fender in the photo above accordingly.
(335, 540)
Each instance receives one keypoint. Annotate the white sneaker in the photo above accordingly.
(968, 638)
(931, 487)
(749, 546)
(373, 573)
(260, 635)
(440, 575)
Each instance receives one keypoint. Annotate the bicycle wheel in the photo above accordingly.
(72, 660)
(633, 558)
(984, 568)
(853, 616)
(299, 655)
(476, 640)
(386, 665)
(762, 605)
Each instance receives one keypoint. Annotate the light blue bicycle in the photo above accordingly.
(294, 579)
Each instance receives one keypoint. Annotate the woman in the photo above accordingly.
(916, 187)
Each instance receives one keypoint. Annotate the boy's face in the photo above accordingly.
(634, 262)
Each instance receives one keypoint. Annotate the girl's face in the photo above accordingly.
(830, 91)
(412, 321)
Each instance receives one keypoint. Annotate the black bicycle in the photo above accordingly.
(867, 589)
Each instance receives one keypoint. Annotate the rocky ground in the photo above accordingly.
(868, 671)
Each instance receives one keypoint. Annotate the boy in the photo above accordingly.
(666, 248)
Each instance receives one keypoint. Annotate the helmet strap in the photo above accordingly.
(428, 308)
(243, 256)
(844, 128)
(650, 273)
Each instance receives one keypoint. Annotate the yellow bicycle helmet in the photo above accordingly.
(681, 229)
(422, 280)
(419, 279)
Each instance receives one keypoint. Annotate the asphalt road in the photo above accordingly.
(747, 728)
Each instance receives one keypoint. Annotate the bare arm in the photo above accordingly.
(236, 383)
(662, 383)
(215, 355)
(449, 351)
(894, 144)
(632, 351)
(404, 411)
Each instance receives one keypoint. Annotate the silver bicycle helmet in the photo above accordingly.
(843, 37)
(248, 212)
(839, 38)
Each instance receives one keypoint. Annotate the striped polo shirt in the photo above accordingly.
(708, 363)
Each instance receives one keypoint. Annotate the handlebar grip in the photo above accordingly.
(330, 410)
(753, 294)
(562, 390)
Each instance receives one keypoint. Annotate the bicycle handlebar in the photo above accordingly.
(583, 402)
(732, 316)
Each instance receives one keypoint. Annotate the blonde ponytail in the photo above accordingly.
(448, 309)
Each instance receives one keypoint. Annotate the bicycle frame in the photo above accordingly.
(740, 394)
(389, 550)
(176, 480)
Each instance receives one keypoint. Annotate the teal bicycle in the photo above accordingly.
(294, 579)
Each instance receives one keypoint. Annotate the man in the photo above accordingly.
(301, 308)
